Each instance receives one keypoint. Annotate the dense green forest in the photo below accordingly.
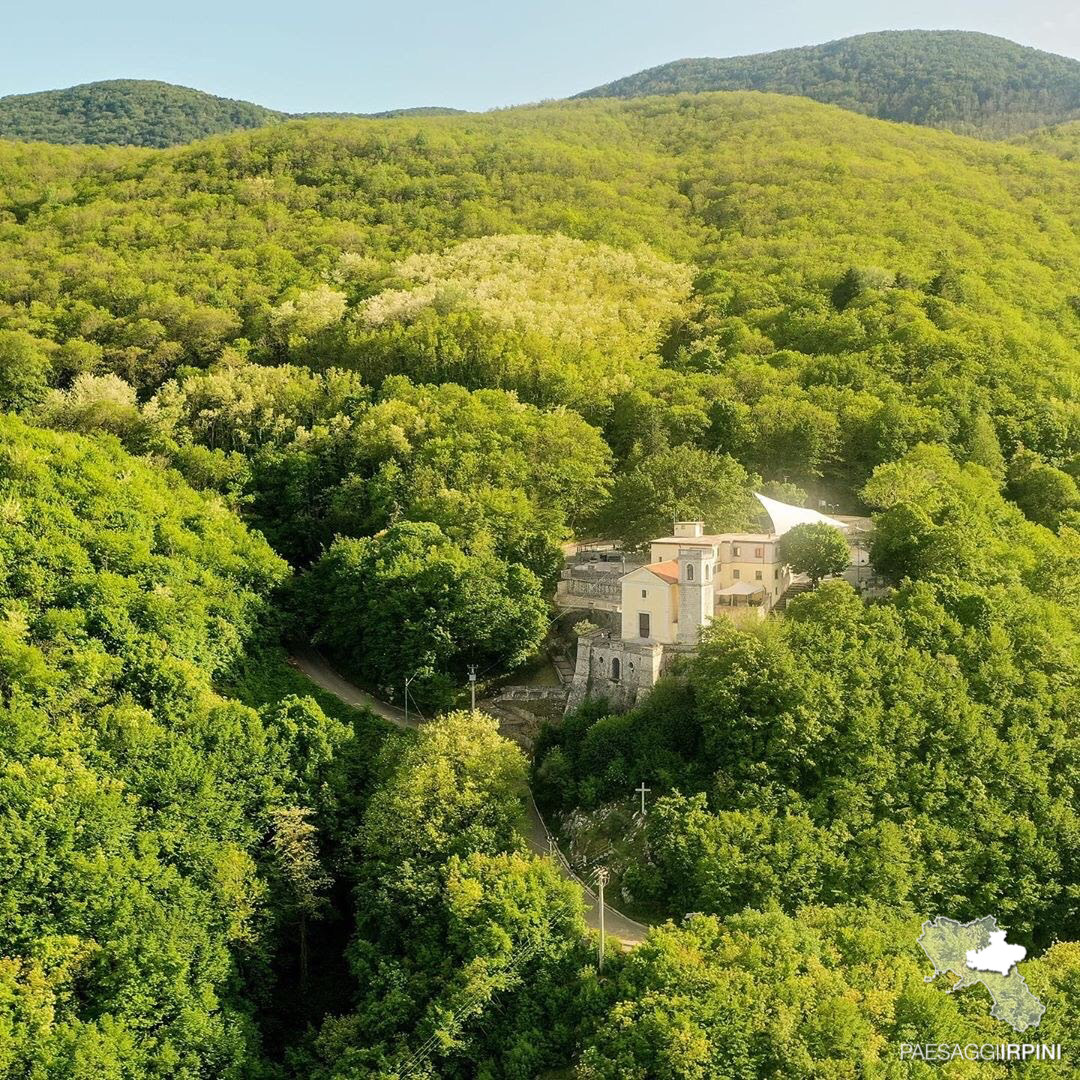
(356, 382)
(1062, 140)
(140, 112)
(967, 82)
(136, 802)
(971, 83)
(126, 112)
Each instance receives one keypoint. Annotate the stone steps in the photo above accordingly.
(793, 590)
(564, 667)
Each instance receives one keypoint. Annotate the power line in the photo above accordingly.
(471, 1003)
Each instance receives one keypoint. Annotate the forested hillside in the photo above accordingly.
(355, 383)
(1062, 140)
(135, 801)
(126, 112)
(808, 291)
(142, 112)
(971, 83)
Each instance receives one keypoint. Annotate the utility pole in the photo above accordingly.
(408, 679)
(601, 881)
(642, 791)
(472, 685)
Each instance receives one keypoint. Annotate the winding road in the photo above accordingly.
(617, 925)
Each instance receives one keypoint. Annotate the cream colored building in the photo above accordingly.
(691, 578)
(741, 570)
(650, 601)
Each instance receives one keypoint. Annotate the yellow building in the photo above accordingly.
(742, 569)
(650, 602)
(691, 578)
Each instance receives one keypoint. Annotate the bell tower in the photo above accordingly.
(696, 598)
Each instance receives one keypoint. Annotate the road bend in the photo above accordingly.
(616, 925)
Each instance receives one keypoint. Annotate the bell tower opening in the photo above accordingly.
(696, 595)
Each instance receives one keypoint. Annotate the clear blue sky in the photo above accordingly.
(337, 55)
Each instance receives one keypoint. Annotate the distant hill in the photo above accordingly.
(143, 112)
(391, 114)
(970, 83)
(135, 112)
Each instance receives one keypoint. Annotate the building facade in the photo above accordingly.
(691, 578)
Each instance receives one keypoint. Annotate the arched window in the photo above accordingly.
(615, 666)
(689, 572)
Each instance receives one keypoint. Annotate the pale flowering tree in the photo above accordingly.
(294, 321)
(573, 292)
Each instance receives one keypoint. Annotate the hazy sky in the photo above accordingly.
(360, 57)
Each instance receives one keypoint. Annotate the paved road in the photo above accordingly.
(311, 664)
(627, 931)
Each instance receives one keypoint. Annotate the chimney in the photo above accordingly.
(689, 528)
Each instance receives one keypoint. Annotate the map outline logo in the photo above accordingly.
(975, 952)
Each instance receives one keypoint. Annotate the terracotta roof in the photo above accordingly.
(669, 570)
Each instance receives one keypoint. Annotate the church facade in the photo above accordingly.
(692, 577)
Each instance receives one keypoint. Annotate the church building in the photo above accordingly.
(691, 578)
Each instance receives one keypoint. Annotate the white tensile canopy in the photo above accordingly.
(784, 516)
(741, 588)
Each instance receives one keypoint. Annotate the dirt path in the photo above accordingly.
(626, 930)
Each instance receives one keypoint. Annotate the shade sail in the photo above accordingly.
(785, 517)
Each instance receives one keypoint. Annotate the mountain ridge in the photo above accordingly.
(149, 113)
(960, 80)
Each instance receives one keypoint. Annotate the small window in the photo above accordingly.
(615, 672)
(708, 571)
(689, 572)
(736, 574)
(757, 575)
(776, 574)
(759, 553)
(735, 549)
(644, 593)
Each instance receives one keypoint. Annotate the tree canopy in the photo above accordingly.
(818, 550)
(968, 82)
(361, 382)
(135, 800)
(409, 603)
(131, 112)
